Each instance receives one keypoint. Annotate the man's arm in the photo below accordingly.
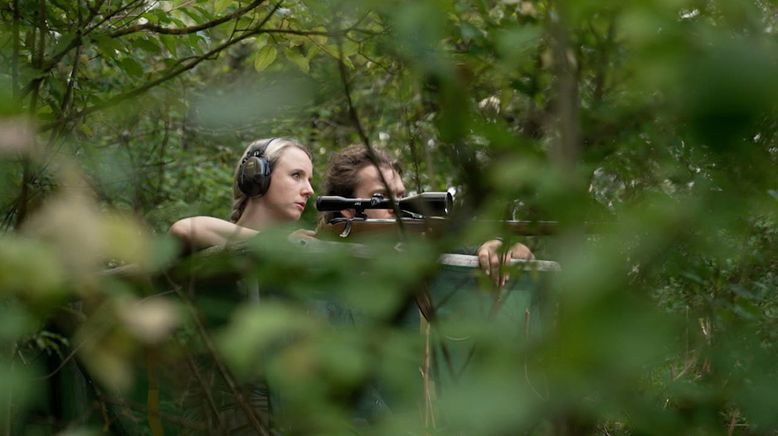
(204, 231)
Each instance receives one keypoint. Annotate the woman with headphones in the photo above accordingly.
(272, 186)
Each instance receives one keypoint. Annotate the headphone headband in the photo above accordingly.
(260, 150)
(254, 171)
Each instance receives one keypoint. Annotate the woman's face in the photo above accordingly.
(290, 185)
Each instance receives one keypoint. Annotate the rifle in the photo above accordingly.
(423, 214)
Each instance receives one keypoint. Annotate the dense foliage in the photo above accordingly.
(648, 130)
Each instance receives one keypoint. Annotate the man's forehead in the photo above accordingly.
(368, 177)
(370, 174)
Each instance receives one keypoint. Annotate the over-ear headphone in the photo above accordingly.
(254, 171)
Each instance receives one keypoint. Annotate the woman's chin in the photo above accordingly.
(295, 215)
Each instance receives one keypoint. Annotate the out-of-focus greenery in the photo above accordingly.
(648, 130)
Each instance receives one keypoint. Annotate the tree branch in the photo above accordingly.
(15, 55)
(27, 175)
(602, 64)
(75, 42)
(566, 149)
(66, 100)
(170, 75)
(185, 30)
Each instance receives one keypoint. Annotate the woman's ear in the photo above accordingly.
(348, 213)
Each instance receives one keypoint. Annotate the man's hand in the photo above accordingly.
(489, 259)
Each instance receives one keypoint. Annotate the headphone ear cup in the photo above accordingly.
(254, 179)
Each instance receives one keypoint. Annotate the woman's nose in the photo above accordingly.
(308, 189)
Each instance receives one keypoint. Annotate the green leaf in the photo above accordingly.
(191, 13)
(63, 41)
(312, 51)
(131, 67)
(158, 16)
(194, 40)
(319, 39)
(170, 44)
(331, 50)
(147, 44)
(30, 267)
(261, 40)
(296, 41)
(107, 46)
(221, 5)
(298, 59)
(205, 14)
(264, 57)
(350, 48)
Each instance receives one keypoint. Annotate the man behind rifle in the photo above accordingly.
(351, 174)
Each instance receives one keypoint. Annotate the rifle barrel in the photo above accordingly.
(434, 226)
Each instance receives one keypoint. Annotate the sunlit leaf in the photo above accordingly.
(16, 135)
(220, 5)
(264, 57)
(150, 320)
(29, 267)
(298, 59)
(350, 48)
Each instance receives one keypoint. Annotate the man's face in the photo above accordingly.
(369, 183)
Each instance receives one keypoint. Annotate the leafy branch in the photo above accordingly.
(193, 62)
(154, 28)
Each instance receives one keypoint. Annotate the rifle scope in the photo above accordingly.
(425, 204)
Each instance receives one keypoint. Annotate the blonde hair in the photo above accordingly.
(273, 148)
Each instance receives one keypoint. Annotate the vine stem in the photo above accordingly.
(430, 422)
(354, 115)
(254, 420)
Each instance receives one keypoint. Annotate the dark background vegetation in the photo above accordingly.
(646, 129)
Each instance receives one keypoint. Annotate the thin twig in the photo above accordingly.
(152, 400)
(352, 110)
(414, 155)
(27, 176)
(546, 397)
(66, 100)
(130, 405)
(240, 398)
(209, 398)
(16, 48)
(429, 384)
(602, 63)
